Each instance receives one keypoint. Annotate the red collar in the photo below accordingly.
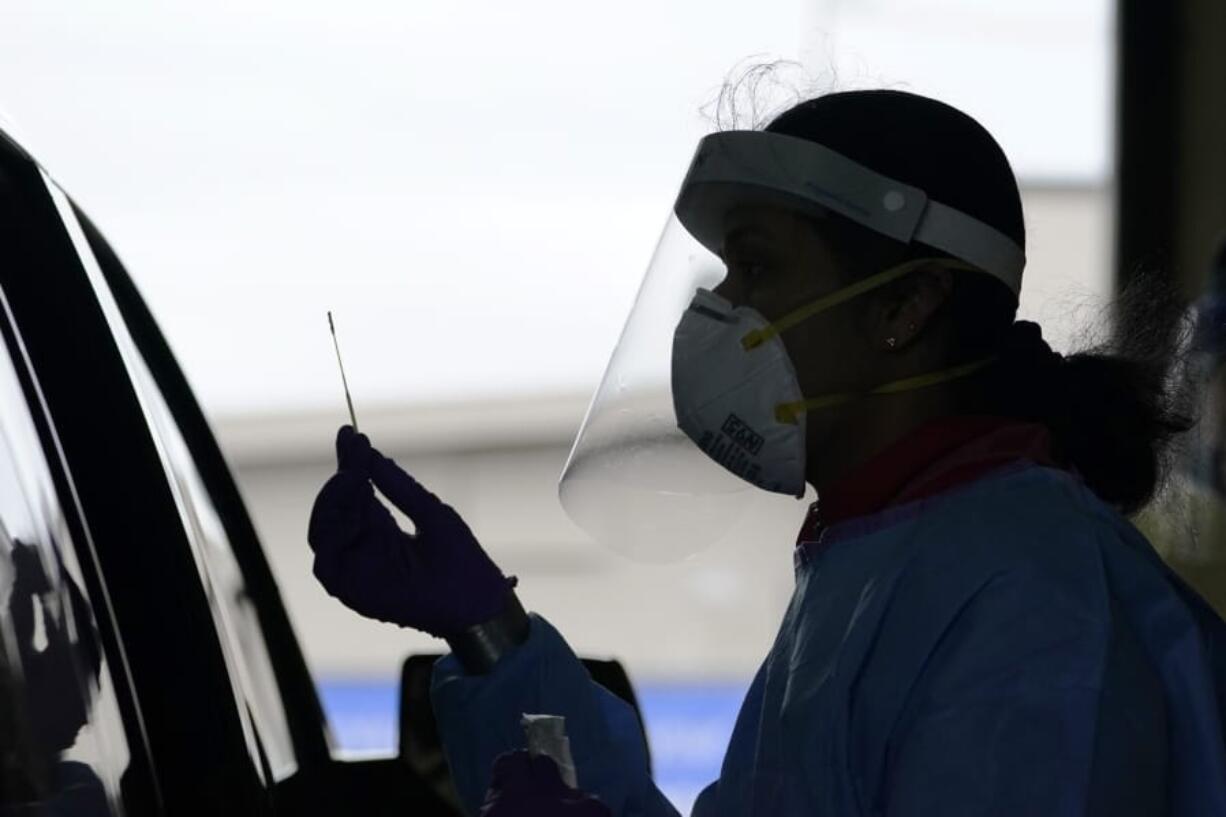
(932, 459)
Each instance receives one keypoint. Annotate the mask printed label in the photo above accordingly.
(740, 433)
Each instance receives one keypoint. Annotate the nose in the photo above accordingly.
(730, 290)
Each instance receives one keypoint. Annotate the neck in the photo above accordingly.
(845, 440)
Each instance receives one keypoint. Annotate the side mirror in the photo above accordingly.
(421, 746)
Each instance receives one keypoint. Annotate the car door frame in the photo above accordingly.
(190, 716)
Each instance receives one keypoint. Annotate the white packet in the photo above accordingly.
(547, 736)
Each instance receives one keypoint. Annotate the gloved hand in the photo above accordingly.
(438, 580)
(527, 786)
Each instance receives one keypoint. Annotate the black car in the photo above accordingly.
(147, 664)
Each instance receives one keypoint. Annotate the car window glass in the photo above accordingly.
(62, 739)
(234, 609)
(235, 616)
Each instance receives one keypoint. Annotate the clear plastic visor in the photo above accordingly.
(634, 481)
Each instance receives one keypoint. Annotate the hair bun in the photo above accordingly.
(1024, 344)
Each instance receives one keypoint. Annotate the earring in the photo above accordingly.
(891, 342)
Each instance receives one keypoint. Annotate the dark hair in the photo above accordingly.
(1112, 410)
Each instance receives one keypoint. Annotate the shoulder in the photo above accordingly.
(1004, 592)
(1032, 528)
(1012, 565)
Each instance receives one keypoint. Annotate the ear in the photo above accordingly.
(909, 308)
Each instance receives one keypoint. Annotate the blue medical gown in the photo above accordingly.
(1011, 647)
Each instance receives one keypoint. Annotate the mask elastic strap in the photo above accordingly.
(792, 412)
(759, 336)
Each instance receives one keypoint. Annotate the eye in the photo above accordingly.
(749, 271)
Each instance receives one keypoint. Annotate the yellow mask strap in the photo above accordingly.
(759, 336)
(792, 412)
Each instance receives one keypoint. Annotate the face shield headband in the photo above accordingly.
(736, 168)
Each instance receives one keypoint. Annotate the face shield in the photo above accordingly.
(637, 479)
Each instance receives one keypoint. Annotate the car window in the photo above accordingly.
(235, 616)
(63, 748)
(235, 611)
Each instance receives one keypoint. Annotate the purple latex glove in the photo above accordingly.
(438, 580)
(527, 786)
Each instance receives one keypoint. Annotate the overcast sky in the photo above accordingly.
(474, 188)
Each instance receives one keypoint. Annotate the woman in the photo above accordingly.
(976, 628)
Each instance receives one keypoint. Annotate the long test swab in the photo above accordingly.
(344, 382)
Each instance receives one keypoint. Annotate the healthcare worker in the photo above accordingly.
(976, 628)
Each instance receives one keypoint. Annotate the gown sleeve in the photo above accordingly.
(1034, 703)
(479, 719)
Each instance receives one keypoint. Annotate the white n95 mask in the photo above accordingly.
(726, 396)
